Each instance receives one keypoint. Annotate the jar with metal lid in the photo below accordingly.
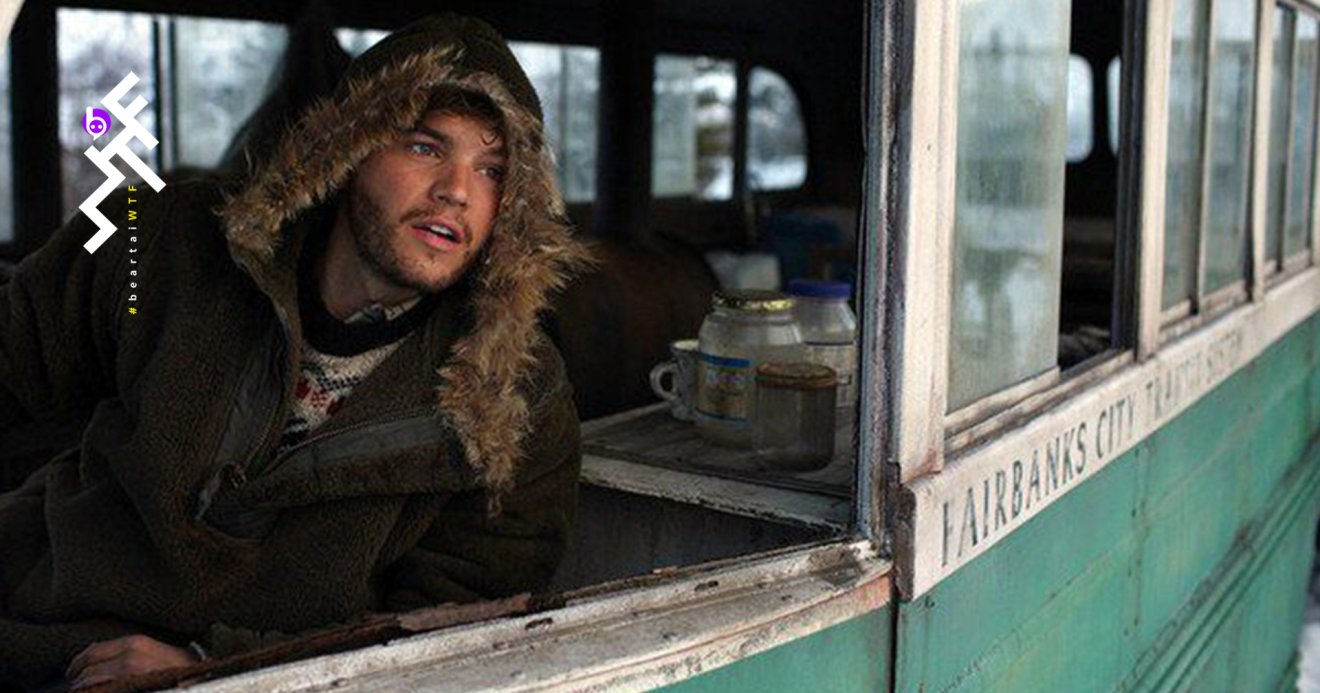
(829, 330)
(794, 427)
(745, 329)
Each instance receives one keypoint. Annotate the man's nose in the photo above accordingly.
(451, 184)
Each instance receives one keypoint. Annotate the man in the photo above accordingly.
(332, 398)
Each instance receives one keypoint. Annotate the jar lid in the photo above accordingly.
(819, 288)
(797, 375)
(754, 300)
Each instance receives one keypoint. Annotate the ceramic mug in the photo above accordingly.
(682, 369)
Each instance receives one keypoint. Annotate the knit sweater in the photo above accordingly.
(339, 354)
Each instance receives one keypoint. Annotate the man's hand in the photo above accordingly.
(112, 659)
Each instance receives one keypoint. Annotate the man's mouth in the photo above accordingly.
(438, 235)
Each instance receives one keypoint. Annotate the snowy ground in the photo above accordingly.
(1308, 679)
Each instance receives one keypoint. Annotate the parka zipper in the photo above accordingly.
(231, 472)
(237, 475)
(387, 418)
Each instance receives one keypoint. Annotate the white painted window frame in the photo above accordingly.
(920, 289)
(1242, 322)
(924, 431)
(1189, 314)
(1270, 271)
(924, 436)
(1264, 268)
(632, 637)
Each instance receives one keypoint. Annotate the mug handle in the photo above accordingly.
(657, 380)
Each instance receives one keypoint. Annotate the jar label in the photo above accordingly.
(724, 387)
(843, 359)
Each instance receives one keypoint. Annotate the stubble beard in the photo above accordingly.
(373, 236)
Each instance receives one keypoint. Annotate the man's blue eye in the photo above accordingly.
(422, 148)
(495, 173)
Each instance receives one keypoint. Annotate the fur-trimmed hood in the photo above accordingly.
(530, 251)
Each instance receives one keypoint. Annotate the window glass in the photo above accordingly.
(1229, 150)
(1012, 137)
(1183, 171)
(355, 42)
(1081, 103)
(6, 153)
(96, 49)
(692, 145)
(567, 80)
(1113, 79)
(1297, 214)
(776, 137)
(223, 71)
(1280, 108)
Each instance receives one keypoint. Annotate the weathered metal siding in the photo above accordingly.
(1181, 566)
(851, 656)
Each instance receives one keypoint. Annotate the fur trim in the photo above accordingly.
(531, 252)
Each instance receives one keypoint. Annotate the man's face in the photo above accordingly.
(420, 210)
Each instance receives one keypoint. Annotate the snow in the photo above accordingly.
(1308, 674)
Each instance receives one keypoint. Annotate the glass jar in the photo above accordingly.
(829, 330)
(795, 409)
(745, 329)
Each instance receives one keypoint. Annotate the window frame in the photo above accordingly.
(1201, 308)
(1275, 271)
(934, 476)
(981, 420)
(1264, 274)
(742, 69)
(562, 135)
(1269, 266)
(1193, 311)
(1138, 336)
(162, 96)
(563, 120)
(745, 77)
(739, 144)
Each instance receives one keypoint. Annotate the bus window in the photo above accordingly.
(1285, 22)
(221, 72)
(1113, 78)
(1210, 112)
(1012, 138)
(567, 80)
(1183, 180)
(221, 68)
(1228, 148)
(692, 145)
(95, 49)
(355, 42)
(1301, 158)
(6, 155)
(776, 136)
(1034, 292)
(1081, 103)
